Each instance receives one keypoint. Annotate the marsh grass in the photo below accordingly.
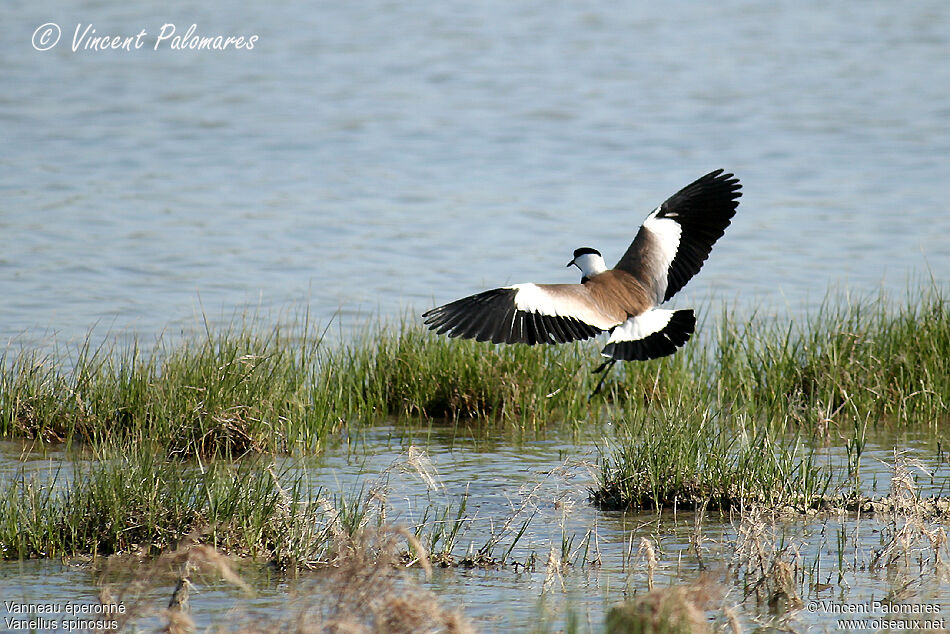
(728, 418)
(770, 569)
(411, 372)
(254, 388)
(674, 610)
(689, 458)
(774, 393)
(912, 539)
(857, 360)
(142, 503)
(238, 390)
(366, 591)
(249, 389)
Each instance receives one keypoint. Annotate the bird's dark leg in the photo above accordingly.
(605, 368)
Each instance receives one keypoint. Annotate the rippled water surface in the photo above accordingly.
(370, 158)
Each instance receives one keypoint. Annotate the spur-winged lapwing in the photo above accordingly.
(669, 249)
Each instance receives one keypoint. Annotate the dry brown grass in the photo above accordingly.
(648, 551)
(674, 610)
(364, 590)
(133, 578)
(915, 546)
(772, 575)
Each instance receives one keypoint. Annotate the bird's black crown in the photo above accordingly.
(585, 251)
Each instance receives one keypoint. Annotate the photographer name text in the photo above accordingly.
(85, 37)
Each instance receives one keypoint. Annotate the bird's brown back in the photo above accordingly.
(619, 294)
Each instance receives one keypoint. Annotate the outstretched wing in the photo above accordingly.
(523, 313)
(676, 238)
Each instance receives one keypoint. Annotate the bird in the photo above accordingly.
(670, 247)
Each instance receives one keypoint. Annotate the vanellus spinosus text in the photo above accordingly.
(669, 249)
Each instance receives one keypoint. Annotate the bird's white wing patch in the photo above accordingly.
(641, 326)
(651, 335)
(666, 233)
(532, 298)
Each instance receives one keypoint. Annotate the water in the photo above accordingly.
(363, 159)
(548, 481)
(371, 158)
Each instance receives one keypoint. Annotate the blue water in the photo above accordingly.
(369, 158)
(365, 158)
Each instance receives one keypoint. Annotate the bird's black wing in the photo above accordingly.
(524, 313)
(676, 238)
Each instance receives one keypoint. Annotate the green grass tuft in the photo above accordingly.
(683, 457)
(142, 503)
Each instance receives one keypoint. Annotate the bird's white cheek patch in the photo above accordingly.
(590, 264)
